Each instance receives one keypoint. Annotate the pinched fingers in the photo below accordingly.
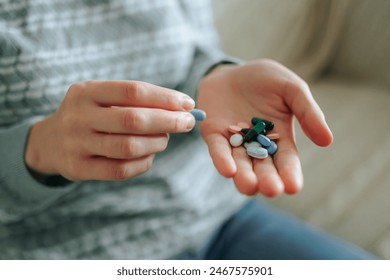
(140, 120)
(137, 94)
(111, 130)
(128, 107)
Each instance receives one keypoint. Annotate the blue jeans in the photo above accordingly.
(260, 231)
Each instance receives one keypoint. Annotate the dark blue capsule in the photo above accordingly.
(263, 140)
(272, 149)
(245, 130)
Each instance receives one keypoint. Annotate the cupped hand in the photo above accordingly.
(107, 130)
(265, 89)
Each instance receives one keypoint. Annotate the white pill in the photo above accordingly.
(257, 152)
(236, 140)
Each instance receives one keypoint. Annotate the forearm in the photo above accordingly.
(20, 192)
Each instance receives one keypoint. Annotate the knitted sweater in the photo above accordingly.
(47, 45)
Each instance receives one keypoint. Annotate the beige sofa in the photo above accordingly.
(342, 48)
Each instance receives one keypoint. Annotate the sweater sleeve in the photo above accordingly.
(20, 193)
(207, 52)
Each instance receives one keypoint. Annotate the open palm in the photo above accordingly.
(265, 89)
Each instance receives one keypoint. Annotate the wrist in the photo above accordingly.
(218, 68)
(39, 161)
(37, 157)
(215, 75)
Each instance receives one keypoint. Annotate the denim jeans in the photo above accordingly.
(261, 231)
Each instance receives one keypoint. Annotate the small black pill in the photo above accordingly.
(250, 136)
(245, 130)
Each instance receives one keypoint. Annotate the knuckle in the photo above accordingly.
(132, 119)
(128, 147)
(173, 100)
(123, 171)
(132, 91)
(291, 86)
(67, 120)
(69, 123)
(76, 89)
(74, 95)
(297, 87)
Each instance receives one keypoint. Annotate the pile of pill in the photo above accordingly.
(257, 140)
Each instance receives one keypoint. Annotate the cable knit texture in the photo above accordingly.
(47, 45)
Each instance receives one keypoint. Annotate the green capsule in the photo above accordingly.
(256, 130)
(245, 130)
(256, 120)
(268, 125)
(259, 127)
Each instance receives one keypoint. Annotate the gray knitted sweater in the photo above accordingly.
(45, 46)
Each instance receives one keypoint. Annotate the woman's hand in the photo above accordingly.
(265, 89)
(108, 130)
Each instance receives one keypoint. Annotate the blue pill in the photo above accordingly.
(272, 149)
(263, 140)
(198, 114)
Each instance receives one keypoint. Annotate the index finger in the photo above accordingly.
(125, 93)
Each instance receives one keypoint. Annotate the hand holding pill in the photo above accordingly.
(232, 94)
(108, 130)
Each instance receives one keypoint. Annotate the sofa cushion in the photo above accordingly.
(363, 50)
(300, 34)
(347, 184)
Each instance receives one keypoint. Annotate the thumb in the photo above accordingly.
(308, 113)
